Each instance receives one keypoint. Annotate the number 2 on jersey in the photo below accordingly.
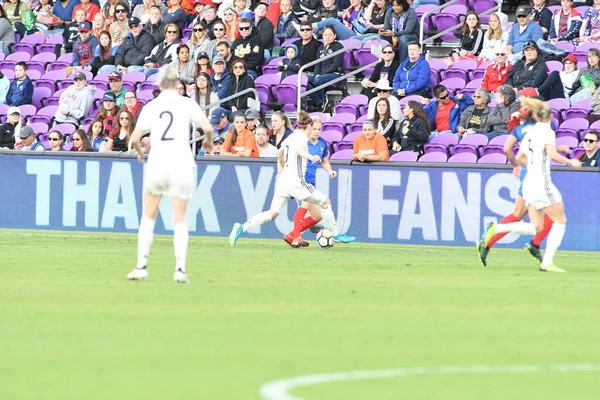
(170, 116)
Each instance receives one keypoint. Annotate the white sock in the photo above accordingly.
(555, 237)
(329, 220)
(519, 228)
(257, 220)
(145, 237)
(181, 237)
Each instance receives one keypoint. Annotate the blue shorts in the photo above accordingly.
(522, 178)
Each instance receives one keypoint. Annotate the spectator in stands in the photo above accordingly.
(496, 37)
(327, 9)
(371, 145)
(219, 31)
(203, 64)
(386, 125)
(118, 140)
(199, 40)
(196, 14)
(217, 145)
(383, 90)
(559, 85)
(303, 8)
(210, 18)
(248, 48)
(590, 28)
(184, 65)
(591, 156)
(253, 118)
(413, 76)
(83, 48)
(8, 131)
(204, 96)
(530, 71)
(7, 34)
(264, 29)
(240, 80)
(224, 51)
(285, 29)
(55, 138)
(155, 25)
(497, 123)
(525, 31)
(96, 136)
(90, 9)
(414, 130)
(75, 102)
(281, 128)
(592, 78)
(384, 70)
(401, 27)
(240, 140)
(163, 53)
(138, 45)
(132, 104)
(104, 53)
(327, 70)
(71, 32)
(444, 112)
(219, 80)
(374, 15)
(308, 46)
(63, 11)
(120, 28)
(175, 15)
(241, 7)
(496, 73)
(29, 23)
(220, 123)
(566, 23)
(474, 118)
(115, 83)
(541, 15)
(109, 11)
(231, 22)
(21, 88)
(14, 10)
(108, 111)
(265, 149)
(351, 25)
(4, 86)
(143, 10)
(417, 3)
(81, 142)
(471, 35)
(291, 63)
(28, 140)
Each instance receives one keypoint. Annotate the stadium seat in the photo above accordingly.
(404, 156)
(493, 158)
(463, 158)
(342, 155)
(435, 157)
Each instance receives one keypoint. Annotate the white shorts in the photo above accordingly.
(540, 195)
(174, 181)
(284, 192)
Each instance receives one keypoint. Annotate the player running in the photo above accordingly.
(316, 146)
(291, 168)
(171, 167)
(537, 149)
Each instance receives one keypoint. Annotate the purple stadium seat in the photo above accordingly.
(39, 128)
(575, 112)
(463, 158)
(331, 136)
(44, 115)
(25, 48)
(453, 83)
(499, 140)
(479, 6)
(322, 116)
(350, 104)
(434, 158)
(65, 83)
(134, 77)
(339, 122)
(459, 69)
(435, 148)
(559, 104)
(363, 56)
(147, 85)
(491, 148)
(404, 156)
(413, 97)
(569, 47)
(33, 39)
(437, 64)
(8, 65)
(476, 140)
(9, 74)
(269, 70)
(493, 158)
(561, 132)
(576, 152)
(264, 83)
(4, 109)
(19, 56)
(447, 18)
(276, 60)
(27, 110)
(581, 50)
(447, 139)
(99, 84)
(575, 124)
(426, 22)
(595, 125)
(58, 66)
(342, 155)
(554, 65)
(463, 148)
(472, 87)
(571, 142)
(347, 142)
(288, 42)
(145, 95)
(65, 129)
(68, 58)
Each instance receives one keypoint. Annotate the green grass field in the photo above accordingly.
(72, 326)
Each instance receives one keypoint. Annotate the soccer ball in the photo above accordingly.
(325, 238)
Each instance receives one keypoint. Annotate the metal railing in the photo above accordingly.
(451, 29)
(375, 50)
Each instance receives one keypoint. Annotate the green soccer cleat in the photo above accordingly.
(490, 232)
(483, 252)
(551, 268)
(534, 251)
(235, 234)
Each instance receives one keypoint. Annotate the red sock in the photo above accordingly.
(298, 217)
(537, 239)
(506, 220)
(305, 224)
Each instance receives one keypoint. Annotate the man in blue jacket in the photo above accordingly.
(413, 76)
(444, 112)
(522, 32)
(20, 90)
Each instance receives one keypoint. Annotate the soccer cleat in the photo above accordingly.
(316, 228)
(490, 232)
(180, 276)
(235, 234)
(290, 240)
(534, 251)
(138, 274)
(483, 252)
(551, 268)
(342, 238)
(299, 242)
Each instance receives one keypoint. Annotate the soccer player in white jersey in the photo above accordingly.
(171, 168)
(537, 149)
(291, 168)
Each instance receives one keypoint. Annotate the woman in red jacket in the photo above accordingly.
(496, 73)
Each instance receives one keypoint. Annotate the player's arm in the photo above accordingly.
(559, 158)
(280, 160)
(521, 159)
(136, 141)
(204, 125)
(508, 150)
(327, 167)
(302, 152)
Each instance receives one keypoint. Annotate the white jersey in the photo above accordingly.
(294, 165)
(533, 146)
(169, 118)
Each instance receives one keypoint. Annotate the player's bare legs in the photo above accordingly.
(180, 238)
(256, 220)
(145, 236)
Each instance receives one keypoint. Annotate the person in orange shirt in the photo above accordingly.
(371, 145)
(240, 141)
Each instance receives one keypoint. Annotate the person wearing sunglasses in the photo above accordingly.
(231, 22)
(248, 48)
(496, 73)
(445, 110)
(163, 53)
(220, 33)
(591, 156)
(81, 142)
(384, 70)
(55, 139)
(383, 90)
(474, 118)
(119, 28)
(522, 32)
(240, 80)
(136, 47)
(199, 40)
(118, 140)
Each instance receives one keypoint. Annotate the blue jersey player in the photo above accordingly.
(316, 146)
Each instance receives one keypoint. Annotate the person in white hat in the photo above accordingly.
(384, 91)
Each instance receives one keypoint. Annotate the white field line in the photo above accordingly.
(279, 389)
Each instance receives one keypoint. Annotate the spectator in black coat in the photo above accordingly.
(138, 45)
(304, 7)
(530, 71)
(386, 69)
(285, 22)
(327, 70)
(248, 48)
(264, 29)
(291, 63)
(308, 46)
(328, 9)
(414, 130)
(240, 80)
(472, 35)
(542, 15)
